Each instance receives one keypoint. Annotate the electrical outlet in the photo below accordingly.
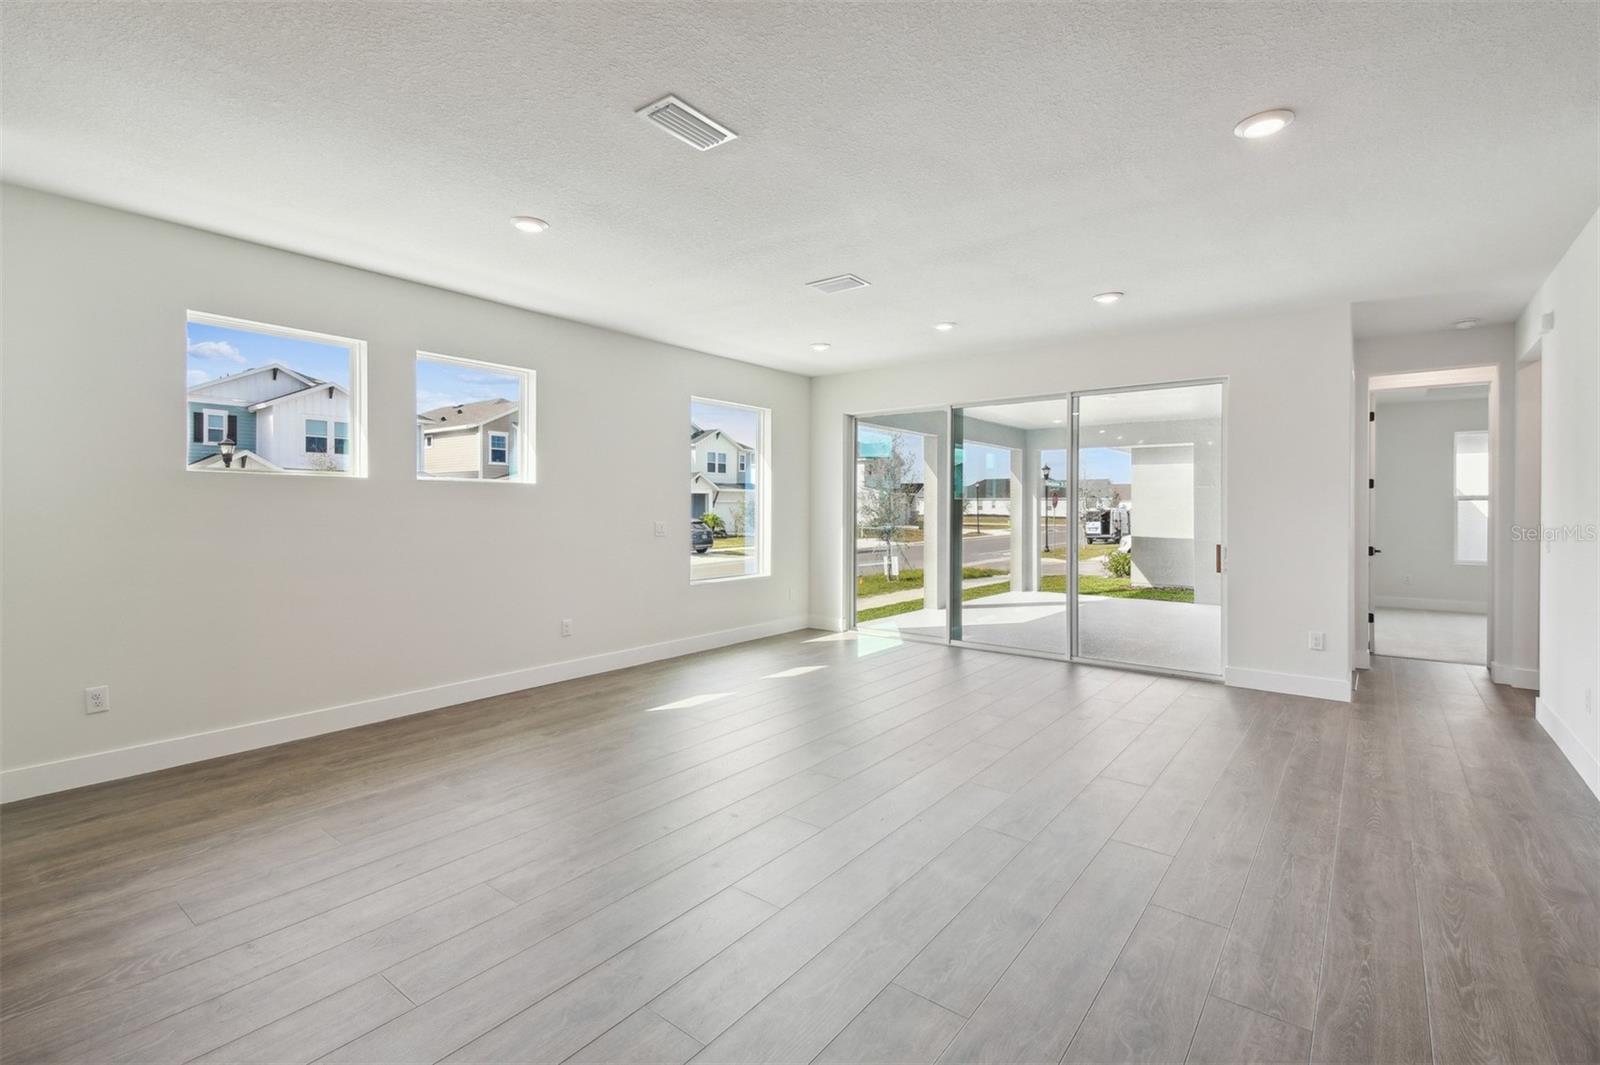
(1315, 640)
(566, 626)
(661, 528)
(97, 700)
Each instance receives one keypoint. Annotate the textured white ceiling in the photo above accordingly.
(992, 164)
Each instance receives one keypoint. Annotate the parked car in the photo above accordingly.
(699, 537)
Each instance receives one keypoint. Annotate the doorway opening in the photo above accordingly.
(1148, 569)
(1430, 517)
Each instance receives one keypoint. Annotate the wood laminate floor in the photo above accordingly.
(813, 848)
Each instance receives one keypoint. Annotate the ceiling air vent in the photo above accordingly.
(842, 283)
(685, 123)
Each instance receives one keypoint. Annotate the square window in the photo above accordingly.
(728, 517)
(474, 420)
(274, 392)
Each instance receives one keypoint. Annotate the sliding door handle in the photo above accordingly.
(1219, 558)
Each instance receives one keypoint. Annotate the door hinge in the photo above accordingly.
(1371, 618)
(1372, 415)
(1373, 551)
(1372, 482)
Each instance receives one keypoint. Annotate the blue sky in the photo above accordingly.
(216, 351)
(741, 424)
(439, 384)
(982, 461)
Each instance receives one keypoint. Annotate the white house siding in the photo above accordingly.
(281, 429)
(246, 390)
(452, 454)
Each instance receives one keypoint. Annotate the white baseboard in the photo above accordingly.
(817, 621)
(27, 781)
(1587, 765)
(1448, 606)
(1516, 676)
(1332, 688)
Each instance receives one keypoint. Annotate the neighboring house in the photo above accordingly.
(469, 440)
(279, 417)
(720, 478)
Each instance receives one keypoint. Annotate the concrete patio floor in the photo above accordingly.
(1146, 632)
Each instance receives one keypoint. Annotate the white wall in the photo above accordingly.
(1569, 498)
(1415, 519)
(210, 602)
(1287, 465)
(1487, 346)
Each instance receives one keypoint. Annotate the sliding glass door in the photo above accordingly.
(1010, 503)
(1148, 536)
(898, 579)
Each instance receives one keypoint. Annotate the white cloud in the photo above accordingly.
(198, 376)
(216, 349)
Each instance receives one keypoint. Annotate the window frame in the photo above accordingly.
(760, 462)
(524, 449)
(504, 448)
(205, 425)
(356, 460)
(1458, 497)
(337, 439)
(325, 436)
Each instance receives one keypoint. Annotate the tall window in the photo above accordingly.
(1472, 498)
(474, 420)
(728, 520)
(262, 399)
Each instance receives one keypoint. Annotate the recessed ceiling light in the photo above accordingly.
(1106, 297)
(821, 346)
(529, 224)
(1466, 323)
(1057, 421)
(1264, 124)
(944, 327)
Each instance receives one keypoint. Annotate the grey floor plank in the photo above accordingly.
(1163, 817)
(1033, 1012)
(565, 1022)
(317, 1029)
(1151, 1001)
(1230, 1034)
(467, 1010)
(798, 1020)
(643, 1038)
(713, 997)
(1372, 1003)
(969, 956)
(896, 1028)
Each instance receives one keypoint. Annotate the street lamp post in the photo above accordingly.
(1046, 472)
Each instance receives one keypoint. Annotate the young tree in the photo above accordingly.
(884, 499)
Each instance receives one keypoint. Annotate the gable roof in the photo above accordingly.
(232, 378)
(297, 392)
(465, 415)
(697, 434)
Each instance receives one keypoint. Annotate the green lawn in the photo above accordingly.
(1115, 587)
(878, 584)
(873, 613)
(1087, 551)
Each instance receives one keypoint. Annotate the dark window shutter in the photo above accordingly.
(199, 435)
(233, 428)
